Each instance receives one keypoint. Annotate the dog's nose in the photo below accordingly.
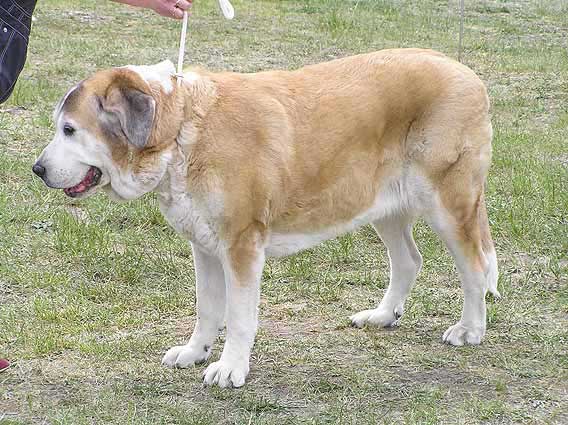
(38, 169)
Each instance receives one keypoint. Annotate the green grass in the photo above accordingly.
(92, 294)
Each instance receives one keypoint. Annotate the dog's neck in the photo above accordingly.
(181, 112)
(192, 100)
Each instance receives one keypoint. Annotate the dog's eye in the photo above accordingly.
(68, 130)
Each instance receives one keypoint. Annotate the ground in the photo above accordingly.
(93, 293)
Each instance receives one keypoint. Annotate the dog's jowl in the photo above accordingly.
(253, 165)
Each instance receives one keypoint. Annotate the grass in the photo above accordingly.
(92, 294)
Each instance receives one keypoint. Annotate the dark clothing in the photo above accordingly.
(15, 23)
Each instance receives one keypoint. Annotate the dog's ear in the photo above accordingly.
(128, 112)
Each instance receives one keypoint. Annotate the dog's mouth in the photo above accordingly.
(91, 179)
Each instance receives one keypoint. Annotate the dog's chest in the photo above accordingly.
(190, 219)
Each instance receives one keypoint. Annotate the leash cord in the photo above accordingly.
(181, 54)
(228, 12)
(461, 30)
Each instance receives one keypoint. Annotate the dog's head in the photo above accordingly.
(114, 131)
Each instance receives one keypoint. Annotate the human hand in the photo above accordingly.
(168, 8)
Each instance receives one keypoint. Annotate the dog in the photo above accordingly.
(247, 166)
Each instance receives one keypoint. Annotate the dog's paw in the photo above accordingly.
(226, 373)
(186, 355)
(459, 335)
(381, 317)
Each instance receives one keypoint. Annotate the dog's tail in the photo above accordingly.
(491, 272)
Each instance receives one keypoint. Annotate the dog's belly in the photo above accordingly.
(281, 244)
(405, 195)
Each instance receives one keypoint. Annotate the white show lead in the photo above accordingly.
(228, 13)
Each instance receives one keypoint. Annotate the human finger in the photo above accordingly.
(169, 10)
(182, 4)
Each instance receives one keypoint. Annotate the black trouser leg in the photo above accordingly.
(15, 23)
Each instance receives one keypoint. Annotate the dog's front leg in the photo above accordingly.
(210, 292)
(243, 269)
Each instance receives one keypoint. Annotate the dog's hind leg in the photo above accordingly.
(210, 291)
(458, 225)
(405, 263)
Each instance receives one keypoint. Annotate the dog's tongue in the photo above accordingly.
(83, 185)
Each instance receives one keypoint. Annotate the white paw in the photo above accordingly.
(380, 316)
(226, 373)
(459, 334)
(186, 355)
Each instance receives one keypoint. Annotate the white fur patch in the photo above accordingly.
(405, 263)
(492, 273)
(242, 322)
(193, 218)
(161, 72)
(211, 301)
(191, 77)
(59, 106)
(188, 218)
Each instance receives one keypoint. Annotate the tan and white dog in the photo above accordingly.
(253, 165)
